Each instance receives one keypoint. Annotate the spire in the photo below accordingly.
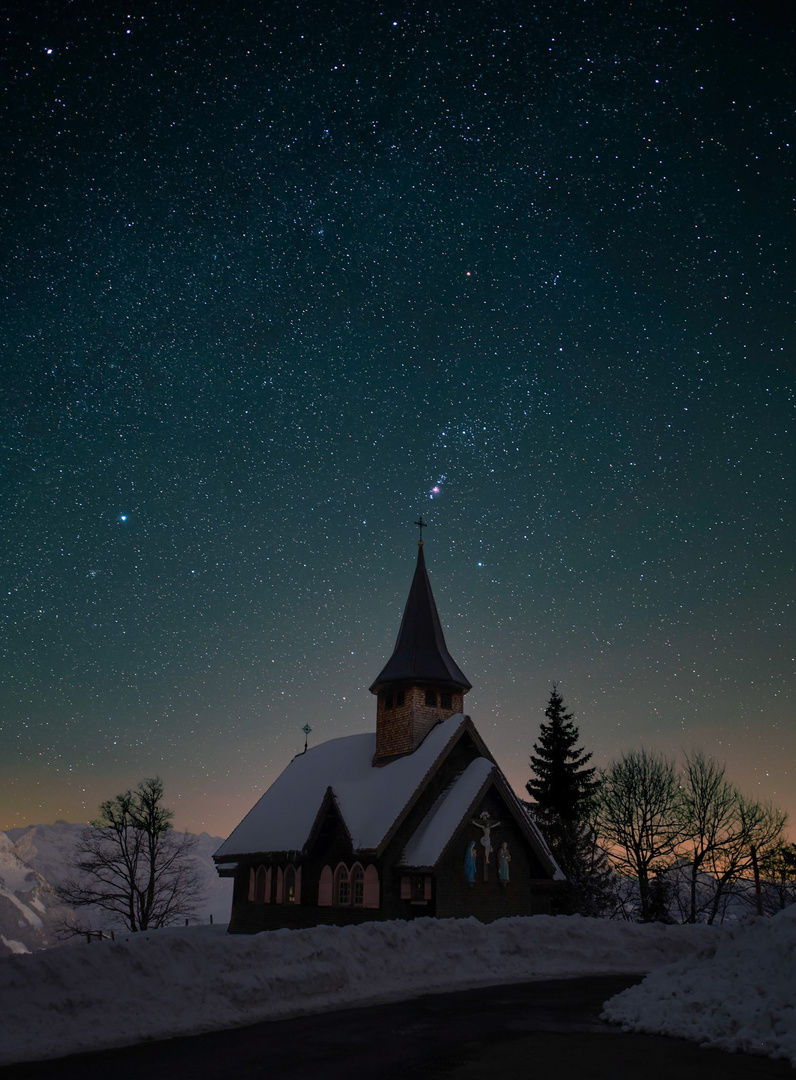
(420, 655)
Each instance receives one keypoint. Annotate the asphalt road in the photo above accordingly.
(547, 1030)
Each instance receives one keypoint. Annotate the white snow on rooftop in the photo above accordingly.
(427, 844)
(370, 799)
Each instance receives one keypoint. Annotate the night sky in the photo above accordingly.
(279, 277)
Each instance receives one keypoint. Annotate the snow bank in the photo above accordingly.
(184, 981)
(740, 997)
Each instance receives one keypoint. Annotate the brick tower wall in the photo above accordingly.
(401, 729)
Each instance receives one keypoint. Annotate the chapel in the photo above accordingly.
(413, 819)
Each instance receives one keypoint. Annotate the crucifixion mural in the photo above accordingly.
(486, 825)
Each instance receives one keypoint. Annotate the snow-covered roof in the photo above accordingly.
(369, 799)
(427, 844)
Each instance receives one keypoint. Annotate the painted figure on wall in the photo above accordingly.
(469, 862)
(486, 826)
(504, 858)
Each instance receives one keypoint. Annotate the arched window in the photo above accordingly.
(280, 884)
(342, 885)
(290, 884)
(326, 887)
(371, 899)
(261, 882)
(357, 885)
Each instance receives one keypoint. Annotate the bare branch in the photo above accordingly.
(640, 818)
(133, 865)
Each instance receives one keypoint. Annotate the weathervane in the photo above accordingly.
(306, 729)
(423, 525)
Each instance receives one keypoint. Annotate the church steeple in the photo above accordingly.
(421, 684)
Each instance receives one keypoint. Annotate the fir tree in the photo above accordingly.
(562, 786)
(563, 790)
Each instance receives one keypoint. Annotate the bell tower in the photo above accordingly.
(421, 684)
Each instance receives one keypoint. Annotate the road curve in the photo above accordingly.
(549, 1028)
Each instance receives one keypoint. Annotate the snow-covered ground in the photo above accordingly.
(742, 997)
(732, 987)
(183, 981)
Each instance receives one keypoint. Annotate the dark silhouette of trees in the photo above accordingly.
(562, 790)
(722, 830)
(708, 803)
(561, 786)
(640, 820)
(754, 827)
(778, 872)
(689, 840)
(133, 865)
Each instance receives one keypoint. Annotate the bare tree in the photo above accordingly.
(778, 872)
(754, 827)
(709, 803)
(133, 865)
(640, 818)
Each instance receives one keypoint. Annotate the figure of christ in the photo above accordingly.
(486, 827)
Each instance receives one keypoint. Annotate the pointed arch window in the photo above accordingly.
(262, 885)
(292, 885)
(326, 887)
(357, 885)
(342, 886)
(371, 897)
(280, 885)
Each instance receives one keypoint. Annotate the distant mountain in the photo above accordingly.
(34, 860)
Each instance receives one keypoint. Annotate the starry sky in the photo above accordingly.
(278, 278)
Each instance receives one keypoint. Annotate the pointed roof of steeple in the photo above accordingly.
(420, 654)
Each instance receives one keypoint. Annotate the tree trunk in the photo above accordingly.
(756, 871)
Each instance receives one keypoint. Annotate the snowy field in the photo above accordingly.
(733, 988)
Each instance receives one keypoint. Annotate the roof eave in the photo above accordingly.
(489, 779)
(465, 724)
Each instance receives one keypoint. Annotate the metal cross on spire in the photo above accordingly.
(423, 525)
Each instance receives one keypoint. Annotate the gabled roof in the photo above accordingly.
(430, 839)
(372, 801)
(420, 654)
(428, 843)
